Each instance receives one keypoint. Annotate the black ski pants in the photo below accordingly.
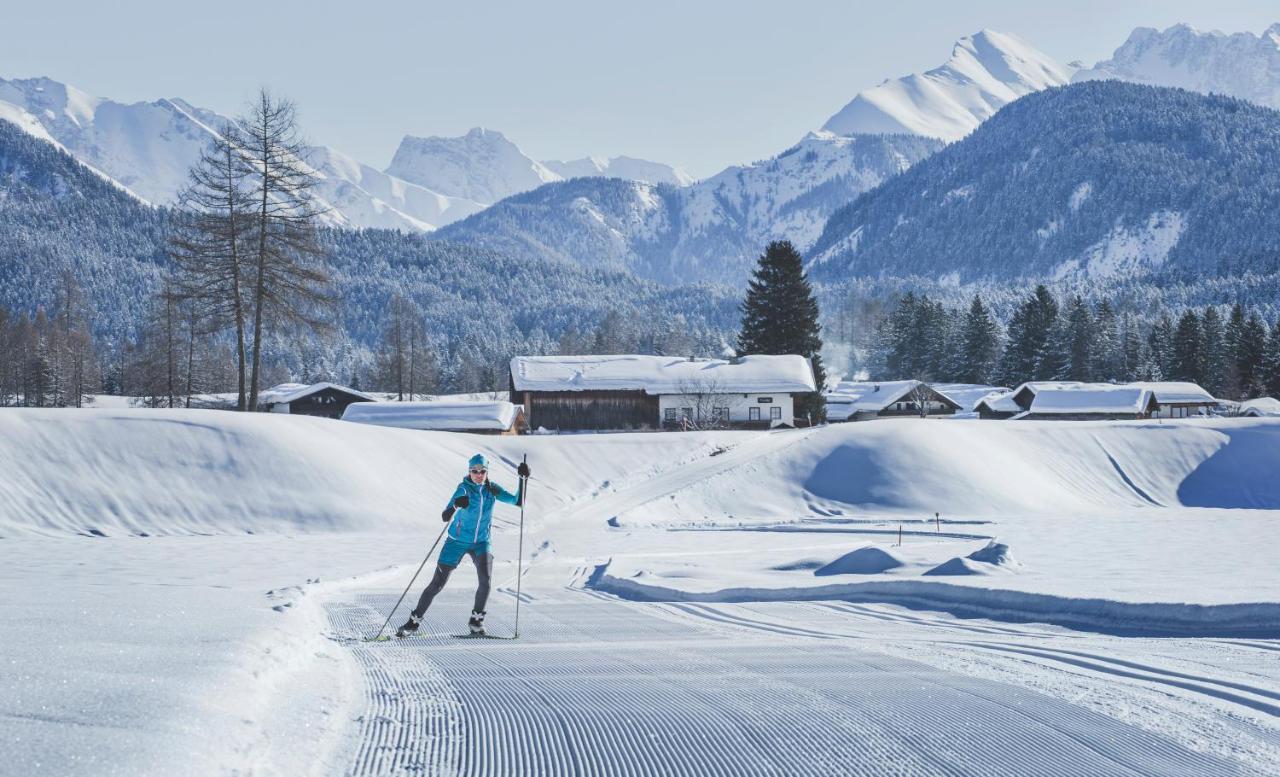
(484, 573)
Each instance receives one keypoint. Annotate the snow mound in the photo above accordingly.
(863, 561)
(994, 553)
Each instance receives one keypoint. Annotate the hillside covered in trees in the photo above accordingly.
(1095, 180)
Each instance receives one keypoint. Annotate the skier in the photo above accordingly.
(468, 513)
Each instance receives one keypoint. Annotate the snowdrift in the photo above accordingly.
(978, 468)
(154, 472)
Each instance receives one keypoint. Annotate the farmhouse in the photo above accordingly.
(658, 392)
(476, 417)
(861, 401)
(327, 400)
(1091, 402)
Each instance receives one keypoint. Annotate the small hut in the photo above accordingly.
(327, 400)
(1092, 402)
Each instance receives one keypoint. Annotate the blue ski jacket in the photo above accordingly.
(471, 523)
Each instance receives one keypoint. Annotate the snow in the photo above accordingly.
(285, 393)
(1169, 392)
(1091, 399)
(1239, 65)
(967, 395)
(986, 71)
(626, 167)
(670, 581)
(482, 166)
(1262, 406)
(438, 415)
(754, 374)
(1126, 251)
(999, 401)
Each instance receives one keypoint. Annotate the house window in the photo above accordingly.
(719, 415)
(687, 412)
(669, 415)
(775, 413)
(753, 413)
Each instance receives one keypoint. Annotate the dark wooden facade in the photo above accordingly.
(327, 403)
(588, 410)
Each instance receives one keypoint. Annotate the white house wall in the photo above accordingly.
(739, 406)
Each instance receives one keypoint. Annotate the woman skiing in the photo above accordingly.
(468, 513)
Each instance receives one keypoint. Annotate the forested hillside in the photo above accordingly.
(1096, 180)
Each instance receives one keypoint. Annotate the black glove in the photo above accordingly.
(447, 515)
(462, 502)
(523, 470)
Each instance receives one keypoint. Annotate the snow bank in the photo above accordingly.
(863, 561)
(1252, 619)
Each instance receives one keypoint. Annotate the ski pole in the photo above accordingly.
(392, 614)
(524, 497)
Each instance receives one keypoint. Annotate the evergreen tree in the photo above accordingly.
(1108, 361)
(1230, 385)
(1160, 343)
(1055, 357)
(979, 344)
(1271, 362)
(1188, 349)
(1028, 333)
(1135, 355)
(1080, 336)
(1213, 357)
(1253, 346)
(780, 316)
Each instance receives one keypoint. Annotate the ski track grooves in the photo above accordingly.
(610, 687)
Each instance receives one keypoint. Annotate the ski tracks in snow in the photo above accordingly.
(597, 685)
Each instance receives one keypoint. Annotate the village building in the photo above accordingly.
(967, 395)
(1091, 402)
(1178, 399)
(865, 400)
(614, 392)
(327, 400)
(476, 417)
(997, 405)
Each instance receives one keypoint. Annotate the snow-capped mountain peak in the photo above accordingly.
(1240, 64)
(482, 165)
(620, 167)
(986, 71)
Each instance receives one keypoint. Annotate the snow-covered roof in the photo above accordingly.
(1176, 392)
(755, 374)
(868, 396)
(290, 392)
(1091, 399)
(1000, 401)
(440, 416)
(1260, 406)
(967, 395)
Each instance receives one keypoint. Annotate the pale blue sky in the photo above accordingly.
(699, 84)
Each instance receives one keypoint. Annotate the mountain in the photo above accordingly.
(626, 167)
(986, 71)
(1241, 65)
(712, 230)
(58, 216)
(482, 165)
(148, 147)
(1097, 180)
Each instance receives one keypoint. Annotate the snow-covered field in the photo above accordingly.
(183, 591)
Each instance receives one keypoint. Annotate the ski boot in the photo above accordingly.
(476, 623)
(410, 627)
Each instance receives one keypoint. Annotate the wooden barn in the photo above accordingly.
(1172, 399)
(475, 417)
(327, 400)
(619, 392)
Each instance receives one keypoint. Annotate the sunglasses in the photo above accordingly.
(479, 471)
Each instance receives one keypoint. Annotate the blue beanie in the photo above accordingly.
(478, 460)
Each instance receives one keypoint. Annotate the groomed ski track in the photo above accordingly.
(602, 686)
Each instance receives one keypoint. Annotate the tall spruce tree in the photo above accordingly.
(780, 316)
(1253, 346)
(1188, 349)
(979, 344)
(1028, 333)
(1160, 342)
(1271, 362)
(1108, 361)
(1231, 338)
(1213, 357)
